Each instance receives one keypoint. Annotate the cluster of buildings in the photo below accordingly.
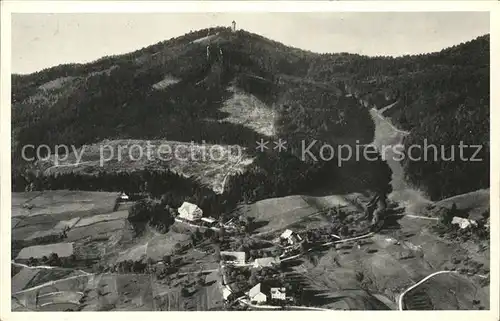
(267, 291)
(263, 293)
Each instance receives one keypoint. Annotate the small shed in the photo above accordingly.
(210, 221)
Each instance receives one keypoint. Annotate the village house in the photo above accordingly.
(278, 294)
(123, 197)
(290, 237)
(235, 258)
(266, 262)
(190, 212)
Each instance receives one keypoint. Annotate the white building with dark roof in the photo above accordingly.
(291, 237)
(123, 197)
(190, 212)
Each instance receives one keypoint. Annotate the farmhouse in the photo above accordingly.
(463, 223)
(236, 258)
(258, 293)
(290, 237)
(190, 212)
(266, 262)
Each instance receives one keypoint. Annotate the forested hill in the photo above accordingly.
(443, 99)
(173, 90)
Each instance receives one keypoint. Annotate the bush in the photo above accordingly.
(185, 292)
(445, 215)
(151, 212)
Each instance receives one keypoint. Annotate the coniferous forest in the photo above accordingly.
(442, 98)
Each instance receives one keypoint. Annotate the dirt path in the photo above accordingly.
(51, 283)
(274, 307)
(48, 267)
(383, 110)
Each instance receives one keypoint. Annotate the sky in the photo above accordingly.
(45, 40)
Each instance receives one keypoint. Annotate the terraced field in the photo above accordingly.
(418, 300)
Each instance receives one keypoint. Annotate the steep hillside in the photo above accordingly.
(175, 91)
(442, 100)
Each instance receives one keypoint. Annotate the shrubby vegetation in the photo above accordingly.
(154, 213)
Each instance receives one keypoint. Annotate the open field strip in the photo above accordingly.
(101, 218)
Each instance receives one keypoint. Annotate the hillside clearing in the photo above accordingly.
(386, 139)
(247, 110)
(207, 163)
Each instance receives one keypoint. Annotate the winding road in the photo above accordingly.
(401, 297)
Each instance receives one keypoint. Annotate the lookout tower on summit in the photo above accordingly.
(233, 28)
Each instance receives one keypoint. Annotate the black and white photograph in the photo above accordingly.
(249, 161)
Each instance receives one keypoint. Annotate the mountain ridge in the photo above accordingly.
(114, 98)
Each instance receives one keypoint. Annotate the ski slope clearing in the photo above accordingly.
(386, 139)
(247, 110)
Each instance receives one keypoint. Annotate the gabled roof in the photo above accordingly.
(189, 207)
(189, 210)
(254, 291)
(259, 288)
